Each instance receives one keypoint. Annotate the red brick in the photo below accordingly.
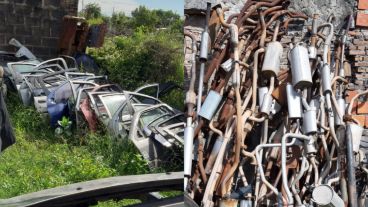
(362, 20)
(356, 52)
(359, 42)
(362, 108)
(363, 4)
(360, 119)
(350, 95)
(361, 70)
(364, 64)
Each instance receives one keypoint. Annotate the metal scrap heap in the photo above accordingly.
(279, 116)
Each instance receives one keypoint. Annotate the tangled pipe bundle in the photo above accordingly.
(263, 136)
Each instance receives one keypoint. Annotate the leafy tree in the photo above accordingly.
(166, 18)
(142, 16)
(92, 11)
(120, 24)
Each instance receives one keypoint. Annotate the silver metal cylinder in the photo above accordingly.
(262, 91)
(294, 102)
(310, 147)
(356, 132)
(310, 121)
(188, 149)
(266, 104)
(215, 150)
(312, 52)
(271, 62)
(326, 79)
(228, 65)
(203, 54)
(341, 106)
(300, 67)
(210, 105)
(324, 195)
(246, 203)
(315, 103)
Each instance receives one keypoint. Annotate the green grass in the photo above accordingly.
(39, 160)
(112, 203)
(30, 166)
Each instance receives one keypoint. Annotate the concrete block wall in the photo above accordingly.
(34, 23)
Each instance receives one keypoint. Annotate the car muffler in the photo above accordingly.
(310, 121)
(356, 132)
(300, 67)
(210, 105)
(326, 79)
(228, 65)
(271, 62)
(324, 195)
(294, 102)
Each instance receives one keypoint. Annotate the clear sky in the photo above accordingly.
(108, 6)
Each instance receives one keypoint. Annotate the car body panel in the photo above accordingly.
(85, 193)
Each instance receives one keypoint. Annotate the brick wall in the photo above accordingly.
(34, 23)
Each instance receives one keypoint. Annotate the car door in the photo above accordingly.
(148, 146)
(150, 90)
(110, 104)
(17, 70)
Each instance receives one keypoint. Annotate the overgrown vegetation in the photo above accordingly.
(145, 47)
(39, 160)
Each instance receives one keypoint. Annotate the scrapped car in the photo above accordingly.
(62, 101)
(87, 104)
(146, 129)
(37, 86)
(18, 69)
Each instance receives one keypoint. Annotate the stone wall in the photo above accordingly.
(34, 23)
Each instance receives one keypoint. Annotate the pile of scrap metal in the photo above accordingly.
(266, 136)
(56, 88)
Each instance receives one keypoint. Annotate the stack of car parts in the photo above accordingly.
(262, 134)
(57, 89)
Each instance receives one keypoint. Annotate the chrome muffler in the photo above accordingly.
(300, 67)
(210, 105)
(356, 132)
(310, 121)
(294, 102)
(271, 62)
(324, 195)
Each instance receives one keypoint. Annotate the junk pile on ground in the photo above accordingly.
(74, 99)
(280, 115)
